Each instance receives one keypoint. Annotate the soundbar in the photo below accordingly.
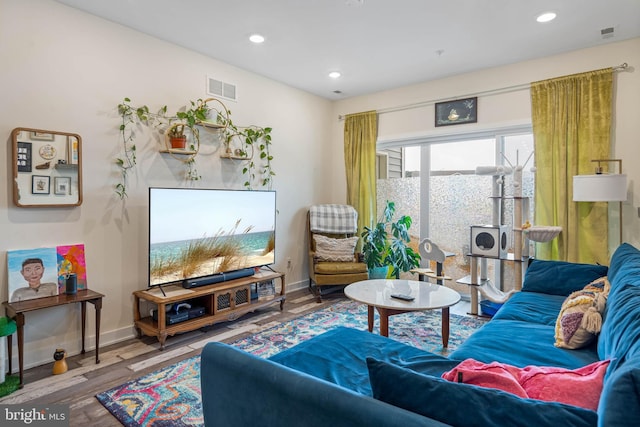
(217, 278)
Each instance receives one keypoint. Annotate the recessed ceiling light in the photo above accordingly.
(256, 38)
(334, 74)
(546, 17)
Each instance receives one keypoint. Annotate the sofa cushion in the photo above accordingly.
(619, 400)
(339, 356)
(620, 335)
(520, 344)
(580, 318)
(578, 387)
(625, 264)
(531, 307)
(341, 250)
(625, 268)
(467, 405)
(340, 268)
(560, 277)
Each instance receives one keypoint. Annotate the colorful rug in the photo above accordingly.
(171, 396)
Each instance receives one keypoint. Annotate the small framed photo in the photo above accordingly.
(42, 136)
(62, 185)
(40, 184)
(457, 112)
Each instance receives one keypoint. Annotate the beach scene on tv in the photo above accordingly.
(197, 233)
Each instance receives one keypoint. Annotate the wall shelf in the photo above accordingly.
(211, 126)
(179, 151)
(233, 157)
(65, 166)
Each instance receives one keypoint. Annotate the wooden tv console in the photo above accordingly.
(222, 302)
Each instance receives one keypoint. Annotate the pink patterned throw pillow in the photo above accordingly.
(578, 387)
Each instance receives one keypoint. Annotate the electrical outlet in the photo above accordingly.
(289, 263)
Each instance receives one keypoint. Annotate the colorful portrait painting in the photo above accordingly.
(33, 273)
(42, 272)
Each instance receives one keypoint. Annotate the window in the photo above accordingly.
(439, 188)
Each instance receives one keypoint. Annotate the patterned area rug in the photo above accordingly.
(171, 396)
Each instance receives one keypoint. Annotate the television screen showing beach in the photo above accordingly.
(201, 232)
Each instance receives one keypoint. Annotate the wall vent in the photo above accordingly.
(221, 89)
(607, 32)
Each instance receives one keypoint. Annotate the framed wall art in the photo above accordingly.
(47, 168)
(23, 159)
(457, 112)
(40, 184)
(62, 185)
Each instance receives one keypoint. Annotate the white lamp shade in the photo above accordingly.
(600, 188)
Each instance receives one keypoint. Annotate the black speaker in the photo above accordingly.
(71, 284)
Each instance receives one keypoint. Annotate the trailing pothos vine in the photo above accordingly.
(246, 139)
(252, 138)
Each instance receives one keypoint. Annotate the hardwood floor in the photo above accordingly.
(134, 358)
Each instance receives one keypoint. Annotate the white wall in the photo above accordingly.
(64, 70)
(514, 107)
(61, 69)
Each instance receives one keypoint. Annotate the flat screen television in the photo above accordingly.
(203, 236)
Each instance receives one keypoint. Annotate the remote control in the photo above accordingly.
(403, 297)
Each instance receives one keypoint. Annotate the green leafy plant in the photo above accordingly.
(387, 243)
(250, 139)
(176, 131)
(130, 116)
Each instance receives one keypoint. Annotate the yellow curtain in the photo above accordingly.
(360, 135)
(571, 126)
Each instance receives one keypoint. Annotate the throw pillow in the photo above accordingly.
(580, 317)
(467, 405)
(578, 387)
(340, 250)
(560, 277)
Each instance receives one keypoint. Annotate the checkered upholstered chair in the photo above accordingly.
(333, 235)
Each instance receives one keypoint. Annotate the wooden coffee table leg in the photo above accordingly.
(370, 318)
(445, 327)
(384, 321)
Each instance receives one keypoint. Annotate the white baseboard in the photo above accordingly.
(40, 353)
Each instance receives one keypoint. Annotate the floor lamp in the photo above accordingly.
(602, 187)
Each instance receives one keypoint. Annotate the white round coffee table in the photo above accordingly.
(376, 293)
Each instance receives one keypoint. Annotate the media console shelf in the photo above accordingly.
(222, 302)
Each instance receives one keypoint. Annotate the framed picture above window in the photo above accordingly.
(457, 112)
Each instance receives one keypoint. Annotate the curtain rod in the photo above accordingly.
(489, 92)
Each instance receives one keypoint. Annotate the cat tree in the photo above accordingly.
(478, 281)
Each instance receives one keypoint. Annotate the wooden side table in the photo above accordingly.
(16, 310)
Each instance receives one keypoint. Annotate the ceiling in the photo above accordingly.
(375, 44)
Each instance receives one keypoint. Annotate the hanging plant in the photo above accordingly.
(129, 117)
(199, 114)
(250, 139)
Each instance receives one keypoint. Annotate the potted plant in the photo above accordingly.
(382, 249)
(177, 138)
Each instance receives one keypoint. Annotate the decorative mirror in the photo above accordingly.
(47, 168)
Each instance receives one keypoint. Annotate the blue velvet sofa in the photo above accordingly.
(347, 377)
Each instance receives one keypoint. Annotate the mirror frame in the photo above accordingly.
(69, 165)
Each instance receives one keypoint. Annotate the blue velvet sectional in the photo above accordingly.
(347, 377)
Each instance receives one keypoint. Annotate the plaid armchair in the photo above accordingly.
(333, 236)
